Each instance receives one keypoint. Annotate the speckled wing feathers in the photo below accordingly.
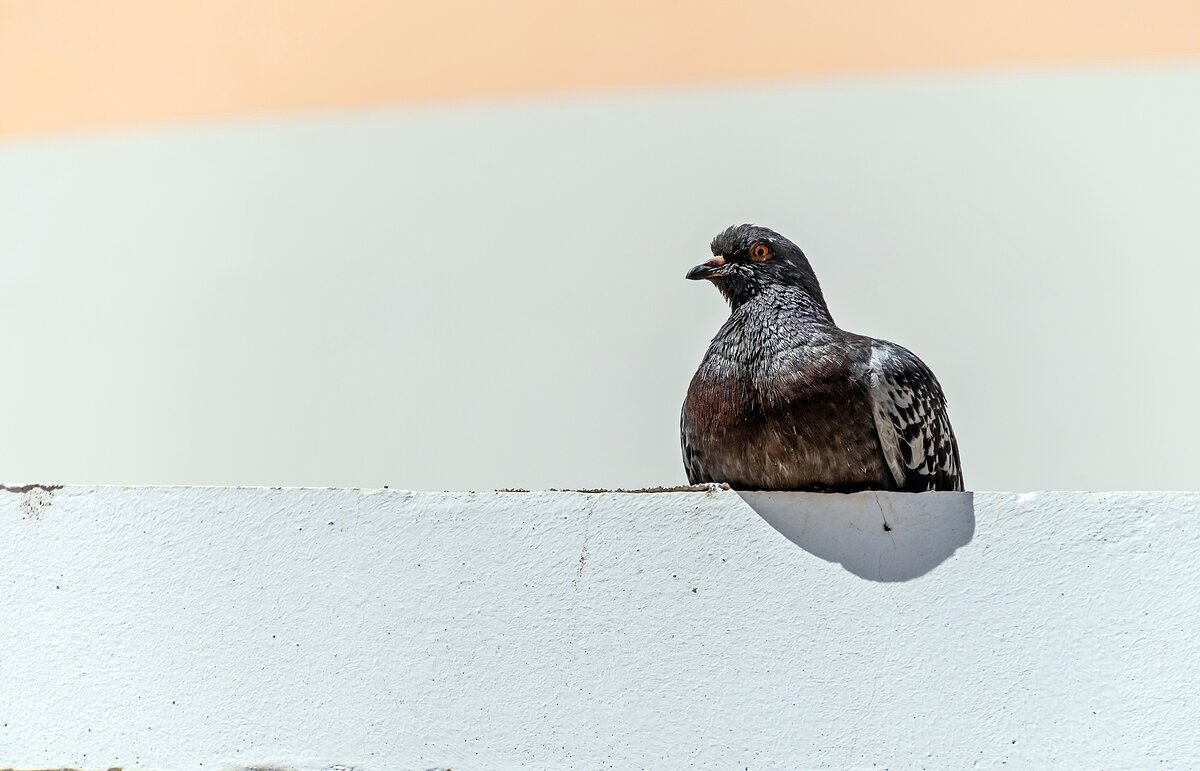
(691, 464)
(910, 416)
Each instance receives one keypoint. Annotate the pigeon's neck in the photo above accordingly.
(790, 302)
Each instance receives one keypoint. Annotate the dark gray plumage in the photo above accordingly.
(786, 400)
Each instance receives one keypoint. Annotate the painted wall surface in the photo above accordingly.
(201, 628)
(492, 295)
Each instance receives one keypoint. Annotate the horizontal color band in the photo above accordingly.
(71, 64)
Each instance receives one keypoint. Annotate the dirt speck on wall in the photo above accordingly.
(36, 498)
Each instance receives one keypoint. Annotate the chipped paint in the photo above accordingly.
(29, 488)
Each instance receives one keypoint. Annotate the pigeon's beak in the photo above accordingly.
(710, 269)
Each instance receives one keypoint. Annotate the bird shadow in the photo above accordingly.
(878, 536)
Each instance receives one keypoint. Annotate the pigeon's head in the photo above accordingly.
(748, 259)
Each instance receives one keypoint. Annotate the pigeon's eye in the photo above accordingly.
(760, 252)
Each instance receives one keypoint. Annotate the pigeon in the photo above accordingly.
(787, 400)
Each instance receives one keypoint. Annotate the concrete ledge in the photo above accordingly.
(202, 628)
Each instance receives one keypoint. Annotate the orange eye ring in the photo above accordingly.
(760, 252)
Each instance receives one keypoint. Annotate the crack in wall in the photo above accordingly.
(587, 534)
(887, 529)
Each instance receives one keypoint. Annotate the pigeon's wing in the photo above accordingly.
(692, 465)
(910, 417)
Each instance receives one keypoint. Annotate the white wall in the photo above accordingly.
(202, 628)
(492, 295)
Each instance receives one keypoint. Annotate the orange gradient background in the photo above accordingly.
(77, 64)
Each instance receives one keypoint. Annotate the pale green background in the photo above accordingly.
(492, 295)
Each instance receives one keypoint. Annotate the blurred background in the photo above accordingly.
(442, 245)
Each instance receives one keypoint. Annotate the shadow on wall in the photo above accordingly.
(878, 536)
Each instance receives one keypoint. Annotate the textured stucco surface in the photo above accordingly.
(217, 628)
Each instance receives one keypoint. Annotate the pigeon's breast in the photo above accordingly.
(719, 420)
(793, 422)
